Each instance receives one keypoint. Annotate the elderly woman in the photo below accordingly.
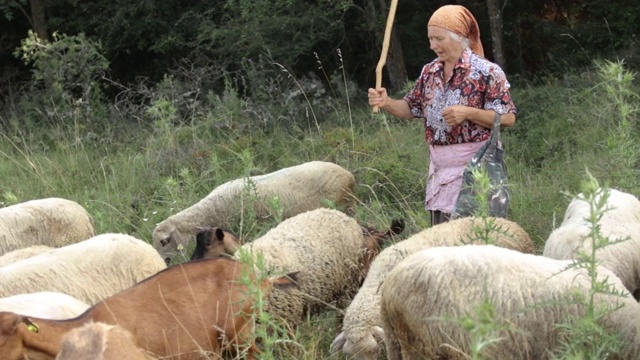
(457, 95)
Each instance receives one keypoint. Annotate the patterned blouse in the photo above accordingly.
(475, 82)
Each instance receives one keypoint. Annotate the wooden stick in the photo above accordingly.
(385, 47)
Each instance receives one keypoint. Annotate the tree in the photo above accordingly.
(495, 22)
(39, 19)
(395, 65)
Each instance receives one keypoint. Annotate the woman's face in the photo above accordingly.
(441, 42)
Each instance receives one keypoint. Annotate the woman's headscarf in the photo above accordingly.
(459, 19)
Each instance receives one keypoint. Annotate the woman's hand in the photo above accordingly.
(454, 115)
(378, 97)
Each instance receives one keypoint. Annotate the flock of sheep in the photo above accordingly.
(69, 293)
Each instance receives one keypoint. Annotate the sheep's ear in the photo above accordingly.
(166, 241)
(179, 239)
(378, 334)
(286, 281)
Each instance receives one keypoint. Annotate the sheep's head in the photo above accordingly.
(214, 241)
(169, 241)
(366, 346)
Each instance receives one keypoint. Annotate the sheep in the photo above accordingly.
(620, 222)
(23, 253)
(99, 341)
(214, 241)
(328, 249)
(52, 221)
(90, 270)
(427, 299)
(362, 333)
(299, 188)
(44, 304)
(181, 312)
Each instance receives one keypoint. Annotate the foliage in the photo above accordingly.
(69, 65)
(65, 77)
(8, 7)
(186, 140)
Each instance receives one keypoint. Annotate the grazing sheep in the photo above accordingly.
(180, 313)
(53, 222)
(621, 221)
(44, 304)
(298, 188)
(24, 253)
(99, 341)
(213, 242)
(361, 329)
(90, 270)
(328, 249)
(426, 297)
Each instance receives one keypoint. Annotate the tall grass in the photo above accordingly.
(174, 150)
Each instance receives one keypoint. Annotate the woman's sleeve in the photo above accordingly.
(415, 97)
(497, 95)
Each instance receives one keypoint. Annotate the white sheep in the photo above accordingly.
(90, 270)
(620, 222)
(362, 328)
(44, 304)
(20, 254)
(329, 250)
(53, 222)
(100, 341)
(299, 188)
(429, 299)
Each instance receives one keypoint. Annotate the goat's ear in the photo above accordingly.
(219, 234)
(397, 226)
(9, 323)
(202, 238)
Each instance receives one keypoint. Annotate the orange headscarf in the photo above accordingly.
(459, 19)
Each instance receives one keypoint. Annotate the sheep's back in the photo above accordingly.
(44, 304)
(51, 221)
(620, 224)
(423, 295)
(90, 270)
(620, 207)
(325, 246)
(24, 253)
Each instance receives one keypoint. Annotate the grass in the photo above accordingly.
(131, 175)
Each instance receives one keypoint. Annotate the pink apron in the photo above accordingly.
(447, 163)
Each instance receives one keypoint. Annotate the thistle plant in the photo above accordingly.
(586, 338)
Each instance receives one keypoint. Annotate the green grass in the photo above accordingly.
(131, 175)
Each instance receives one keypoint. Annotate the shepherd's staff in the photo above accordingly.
(385, 47)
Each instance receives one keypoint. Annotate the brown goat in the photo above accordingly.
(374, 241)
(99, 341)
(179, 313)
(215, 242)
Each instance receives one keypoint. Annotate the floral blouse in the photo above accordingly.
(475, 82)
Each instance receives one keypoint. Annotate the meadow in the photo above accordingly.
(131, 164)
